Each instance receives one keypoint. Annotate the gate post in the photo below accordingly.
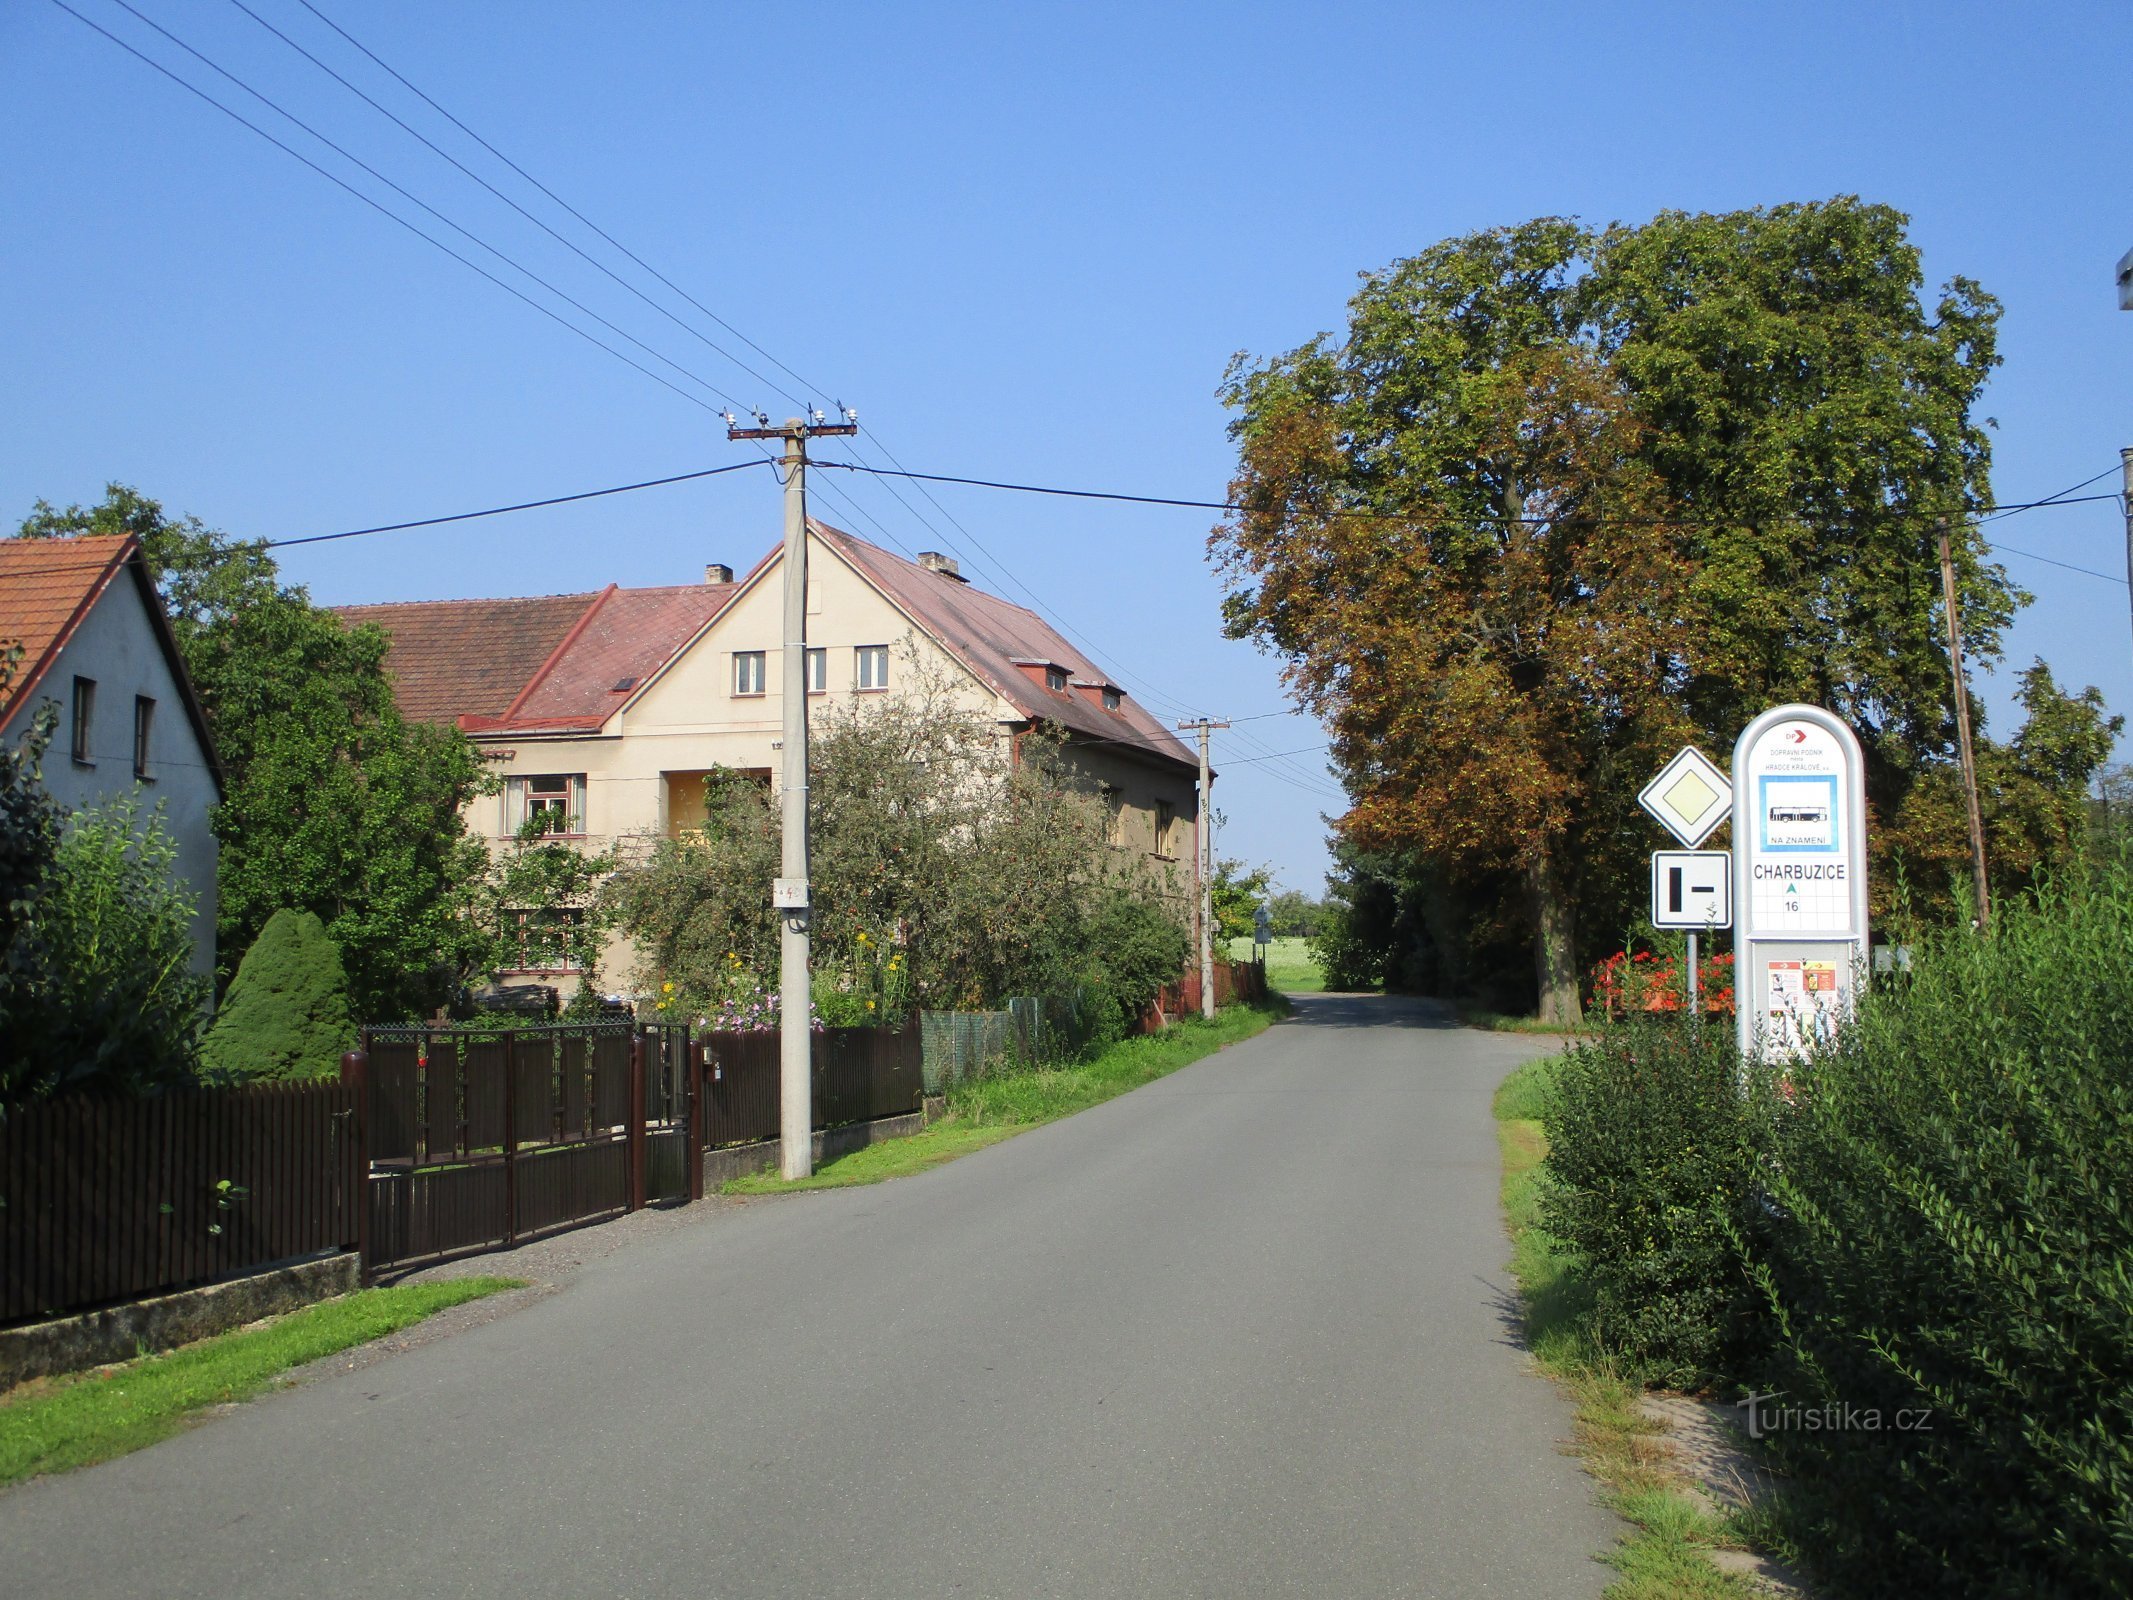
(510, 1136)
(634, 1121)
(693, 1141)
(355, 1075)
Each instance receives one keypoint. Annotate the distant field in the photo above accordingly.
(1289, 966)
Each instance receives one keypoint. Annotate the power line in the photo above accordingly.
(2056, 499)
(498, 193)
(240, 118)
(559, 200)
(457, 516)
(1393, 516)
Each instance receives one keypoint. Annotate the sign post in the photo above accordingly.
(1799, 855)
(1692, 890)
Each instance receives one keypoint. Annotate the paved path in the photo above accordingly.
(1239, 1333)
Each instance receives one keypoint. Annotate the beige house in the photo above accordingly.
(611, 707)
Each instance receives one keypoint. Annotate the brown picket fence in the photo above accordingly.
(106, 1198)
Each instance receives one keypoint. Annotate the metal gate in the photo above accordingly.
(477, 1138)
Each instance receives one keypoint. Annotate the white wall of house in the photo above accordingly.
(116, 647)
(638, 768)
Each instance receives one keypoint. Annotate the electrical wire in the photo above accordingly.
(417, 199)
(506, 199)
(382, 210)
(456, 516)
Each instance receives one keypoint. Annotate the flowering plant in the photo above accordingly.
(1644, 981)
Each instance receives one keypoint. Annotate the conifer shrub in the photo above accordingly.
(287, 1012)
(1948, 1261)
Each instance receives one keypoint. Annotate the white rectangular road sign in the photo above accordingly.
(1692, 889)
(1690, 797)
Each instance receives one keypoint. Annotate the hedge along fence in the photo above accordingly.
(1920, 1240)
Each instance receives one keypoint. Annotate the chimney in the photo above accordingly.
(934, 561)
(718, 572)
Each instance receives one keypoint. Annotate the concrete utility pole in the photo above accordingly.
(796, 1134)
(2125, 472)
(1962, 726)
(1204, 869)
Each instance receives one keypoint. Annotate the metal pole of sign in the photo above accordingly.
(1694, 1009)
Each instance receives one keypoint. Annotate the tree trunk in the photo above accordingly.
(1555, 963)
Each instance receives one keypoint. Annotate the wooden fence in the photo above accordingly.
(860, 1075)
(479, 1138)
(106, 1198)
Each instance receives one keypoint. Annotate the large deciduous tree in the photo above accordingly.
(335, 804)
(1450, 532)
(1560, 498)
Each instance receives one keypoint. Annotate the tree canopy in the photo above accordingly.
(335, 803)
(1561, 499)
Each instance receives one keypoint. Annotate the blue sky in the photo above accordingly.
(1023, 240)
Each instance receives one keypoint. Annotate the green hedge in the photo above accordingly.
(1936, 1219)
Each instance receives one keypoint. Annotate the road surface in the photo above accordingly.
(1243, 1332)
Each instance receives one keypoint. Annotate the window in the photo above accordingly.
(1114, 813)
(1164, 813)
(1111, 698)
(818, 671)
(144, 721)
(543, 941)
(1055, 679)
(84, 716)
(747, 672)
(556, 801)
(872, 666)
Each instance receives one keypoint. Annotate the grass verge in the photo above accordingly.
(1665, 1556)
(1474, 1016)
(991, 1109)
(58, 1424)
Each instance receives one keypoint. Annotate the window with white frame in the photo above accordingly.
(1165, 816)
(818, 671)
(557, 800)
(84, 719)
(747, 672)
(871, 666)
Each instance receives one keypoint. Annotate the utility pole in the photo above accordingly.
(1962, 726)
(796, 1134)
(1204, 869)
(2125, 471)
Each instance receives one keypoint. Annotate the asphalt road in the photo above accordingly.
(1243, 1332)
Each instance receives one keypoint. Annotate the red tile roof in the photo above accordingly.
(549, 663)
(454, 658)
(46, 587)
(990, 636)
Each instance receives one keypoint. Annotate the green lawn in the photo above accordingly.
(54, 1425)
(1289, 965)
(996, 1108)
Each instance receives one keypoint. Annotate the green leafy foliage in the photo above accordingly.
(1558, 500)
(105, 996)
(335, 804)
(1927, 1220)
(1237, 894)
(1951, 1233)
(947, 872)
(286, 1014)
(1648, 1189)
(29, 849)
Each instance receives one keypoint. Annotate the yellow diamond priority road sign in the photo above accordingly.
(1690, 797)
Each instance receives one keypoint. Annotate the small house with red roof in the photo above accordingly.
(96, 646)
(610, 707)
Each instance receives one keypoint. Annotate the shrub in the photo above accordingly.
(1951, 1185)
(108, 996)
(1646, 1186)
(286, 1014)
